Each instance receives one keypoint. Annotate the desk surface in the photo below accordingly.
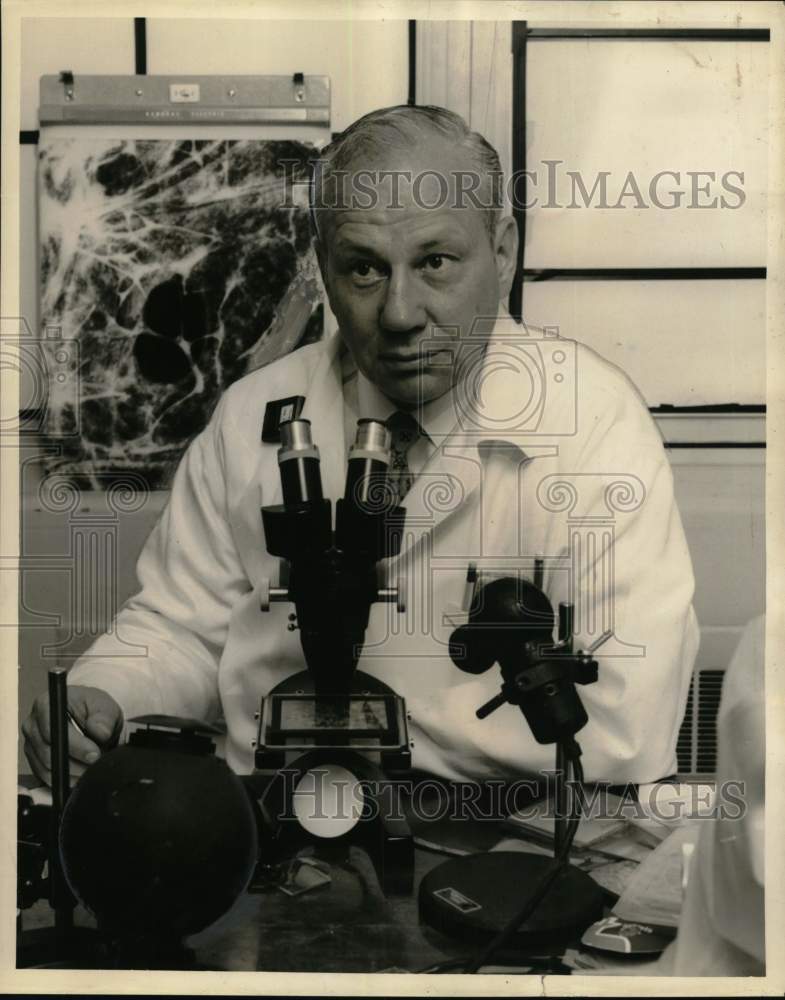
(346, 926)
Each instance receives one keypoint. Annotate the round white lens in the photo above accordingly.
(328, 801)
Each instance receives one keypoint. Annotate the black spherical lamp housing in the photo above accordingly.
(158, 842)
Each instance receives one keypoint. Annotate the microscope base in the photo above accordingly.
(311, 749)
(379, 826)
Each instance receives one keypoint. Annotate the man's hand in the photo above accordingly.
(97, 713)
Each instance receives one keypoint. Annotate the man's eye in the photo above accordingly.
(365, 272)
(437, 262)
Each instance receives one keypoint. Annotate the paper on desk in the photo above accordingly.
(627, 846)
(614, 876)
(537, 822)
(653, 894)
(672, 804)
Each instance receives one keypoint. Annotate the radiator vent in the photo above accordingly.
(696, 748)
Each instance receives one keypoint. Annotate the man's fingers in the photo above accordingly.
(75, 769)
(44, 772)
(29, 727)
(80, 748)
(97, 713)
(40, 714)
(100, 726)
(39, 769)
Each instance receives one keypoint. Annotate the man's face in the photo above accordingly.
(393, 274)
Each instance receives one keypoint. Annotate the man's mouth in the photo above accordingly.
(403, 360)
(419, 359)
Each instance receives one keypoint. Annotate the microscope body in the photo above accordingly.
(330, 714)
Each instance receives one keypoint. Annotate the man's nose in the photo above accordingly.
(402, 309)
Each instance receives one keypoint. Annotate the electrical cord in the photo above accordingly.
(560, 862)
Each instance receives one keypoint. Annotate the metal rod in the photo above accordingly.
(60, 896)
(600, 641)
(472, 582)
(490, 706)
(560, 822)
(566, 624)
(539, 572)
(58, 725)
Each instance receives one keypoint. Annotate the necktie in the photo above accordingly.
(405, 432)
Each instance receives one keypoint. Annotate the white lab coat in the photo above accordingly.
(194, 642)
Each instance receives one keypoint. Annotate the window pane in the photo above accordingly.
(641, 107)
(682, 342)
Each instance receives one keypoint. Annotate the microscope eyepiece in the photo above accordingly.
(298, 462)
(366, 472)
(295, 436)
(372, 436)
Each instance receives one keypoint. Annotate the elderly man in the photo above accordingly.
(520, 445)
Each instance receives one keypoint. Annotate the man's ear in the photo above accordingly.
(505, 248)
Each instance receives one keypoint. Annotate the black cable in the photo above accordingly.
(560, 861)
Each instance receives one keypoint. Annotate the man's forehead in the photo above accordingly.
(417, 225)
(406, 189)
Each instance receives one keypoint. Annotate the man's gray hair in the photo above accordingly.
(374, 133)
